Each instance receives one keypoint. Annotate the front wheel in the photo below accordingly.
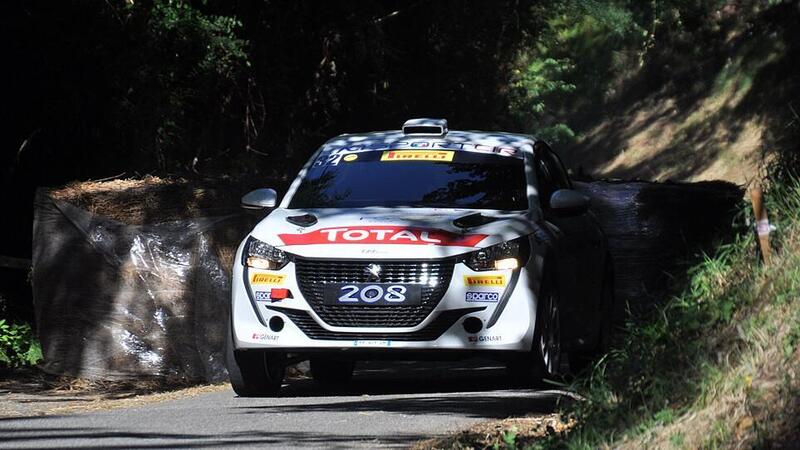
(254, 373)
(580, 361)
(545, 357)
(550, 337)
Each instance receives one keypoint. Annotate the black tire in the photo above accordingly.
(331, 372)
(254, 373)
(580, 361)
(544, 359)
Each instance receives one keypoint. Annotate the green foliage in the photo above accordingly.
(190, 61)
(570, 62)
(617, 18)
(210, 40)
(509, 439)
(557, 133)
(18, 345)
(532, 85)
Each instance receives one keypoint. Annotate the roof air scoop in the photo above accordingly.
(436, 127)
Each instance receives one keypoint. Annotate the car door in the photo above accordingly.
(578, 244)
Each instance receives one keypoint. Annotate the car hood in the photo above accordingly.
(387, 233)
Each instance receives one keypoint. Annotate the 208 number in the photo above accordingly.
(372, 293)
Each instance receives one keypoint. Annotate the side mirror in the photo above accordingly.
(260, 199)
(566, 202)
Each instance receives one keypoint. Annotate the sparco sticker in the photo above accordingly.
(383, 235)
(264, 278)
(485, 280)
(483, 297)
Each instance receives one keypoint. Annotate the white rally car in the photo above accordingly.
(424, 240)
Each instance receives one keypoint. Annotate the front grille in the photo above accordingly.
(313, 274)
(431, 332)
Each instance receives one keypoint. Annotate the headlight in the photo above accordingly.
(506, 255)
(260, 255)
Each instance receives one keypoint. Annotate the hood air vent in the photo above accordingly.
(306, 220)
(436, 127)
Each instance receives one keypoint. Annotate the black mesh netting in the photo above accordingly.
(114, 300)
(653, 228)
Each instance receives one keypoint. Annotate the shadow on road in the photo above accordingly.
(409, 377)
(388, 405)
(473, 388)
(99, 438)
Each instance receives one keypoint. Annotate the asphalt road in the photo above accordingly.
(388, 405)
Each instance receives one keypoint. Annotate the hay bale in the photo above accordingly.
(150, 200)
(131, 278)
(653, 228)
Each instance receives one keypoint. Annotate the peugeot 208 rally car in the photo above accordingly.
(424, 240)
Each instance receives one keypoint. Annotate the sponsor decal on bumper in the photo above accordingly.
(265, 337)
(483, 297)
(479, 339)
(485, 280)
(265, 278)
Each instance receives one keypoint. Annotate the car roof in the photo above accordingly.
(508, 144)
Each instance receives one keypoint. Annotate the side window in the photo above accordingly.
(550, 174)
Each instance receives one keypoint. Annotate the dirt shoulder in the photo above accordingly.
(517, 432)
(33, 393)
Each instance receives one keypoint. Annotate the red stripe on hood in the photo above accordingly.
(382, 234)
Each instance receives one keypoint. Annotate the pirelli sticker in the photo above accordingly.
(417, 155)
(266, 278)
(485, 280)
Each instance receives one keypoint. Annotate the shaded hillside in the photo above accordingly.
(711, 97)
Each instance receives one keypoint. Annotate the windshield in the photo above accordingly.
(414, 178)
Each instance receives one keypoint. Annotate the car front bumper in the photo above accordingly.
(506, 324)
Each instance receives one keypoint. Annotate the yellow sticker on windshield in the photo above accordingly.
(417, 155)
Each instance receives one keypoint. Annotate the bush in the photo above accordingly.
(18, 345)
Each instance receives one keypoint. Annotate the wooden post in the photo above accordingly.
(762, 222)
